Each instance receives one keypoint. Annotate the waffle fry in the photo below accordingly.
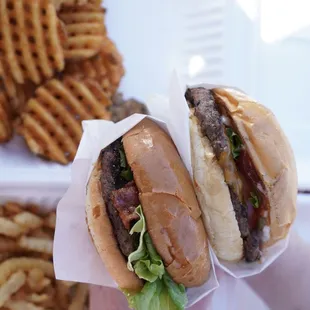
(31, 39)
(113, 62)
(6, 126)
(92, 68)
(7, 82)
(17, 94)
(59, 3)
(85, 28)
(106, 67)
(51, 123)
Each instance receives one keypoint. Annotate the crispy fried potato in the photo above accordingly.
(9, 228)
(6, 117)
(28, 220)
(38, 287)
(62, 294)
(6, 79)
(12, 208)
(8, 245)
(36, 275)
(80, 297)
(40, 233)
(86, 30)
(21, 305)
(36, 245)
(13, 284)
(17, 94)
(31, 39)
(106, 67)
(50, 220)
(38, 298)
(93, 68)
(113, 61)
(26, 264)
(51, 122)
(28, 282)
(36, 210)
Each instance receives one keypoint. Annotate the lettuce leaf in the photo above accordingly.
(235, 142)
(126, 172)
(157, 296)
(160, 291)
(145, 261)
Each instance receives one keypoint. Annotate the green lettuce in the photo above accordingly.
(126, 172)
(235, 142)
(160, 291)
(159, 295)
(254, 200)
(145, 261)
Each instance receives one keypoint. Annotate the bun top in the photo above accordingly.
(169, 203)
(271, 155)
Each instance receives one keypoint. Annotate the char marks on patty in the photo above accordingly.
(125, 200)
(111, 181)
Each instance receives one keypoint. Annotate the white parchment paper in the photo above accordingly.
(75, 257)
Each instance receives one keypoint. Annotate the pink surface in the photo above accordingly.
(111, 299)
(283, 285)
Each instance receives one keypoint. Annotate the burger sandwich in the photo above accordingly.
(244, 172)
(145, 221)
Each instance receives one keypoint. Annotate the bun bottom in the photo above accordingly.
(213, 194)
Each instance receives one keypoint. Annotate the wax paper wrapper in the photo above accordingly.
(75, 256)
(177, 113)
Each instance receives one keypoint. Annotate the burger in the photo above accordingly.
(145, 221)
(244, 172)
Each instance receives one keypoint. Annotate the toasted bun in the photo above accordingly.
(214, 197)
(101, 231)
(271, 155)
(169, 203)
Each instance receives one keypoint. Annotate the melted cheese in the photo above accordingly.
(231, 173)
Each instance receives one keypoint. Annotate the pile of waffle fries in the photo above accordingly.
(58, 67)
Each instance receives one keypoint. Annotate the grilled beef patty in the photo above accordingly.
(114, 190)
(211, 124)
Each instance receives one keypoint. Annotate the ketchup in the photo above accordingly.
(251, 184)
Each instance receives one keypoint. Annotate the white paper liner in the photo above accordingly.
(75, 257)
(178, 115)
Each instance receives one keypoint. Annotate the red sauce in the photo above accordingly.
(251, 183)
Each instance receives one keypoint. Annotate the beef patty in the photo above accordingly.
(111, 184)
(211, 124)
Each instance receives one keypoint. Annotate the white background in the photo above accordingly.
(259, 46)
